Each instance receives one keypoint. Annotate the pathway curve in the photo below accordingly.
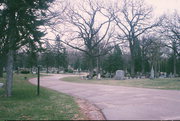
(121, 103)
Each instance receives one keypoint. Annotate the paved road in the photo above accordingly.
(122, 103)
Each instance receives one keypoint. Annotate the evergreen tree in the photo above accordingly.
(114, 61)
(23, 19)
(137, 58)
(77, 64)
(60, 54)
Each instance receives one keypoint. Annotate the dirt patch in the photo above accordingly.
(90, 111)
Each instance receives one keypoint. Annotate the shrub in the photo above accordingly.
(68, 70)
(25, 72)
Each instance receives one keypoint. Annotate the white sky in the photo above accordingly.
(164, 6)
(159, 7)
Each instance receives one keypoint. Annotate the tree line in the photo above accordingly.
(97, 27)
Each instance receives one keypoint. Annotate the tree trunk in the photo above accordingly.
(143, 63)
(132, 66)
(159, 68)
(9, 73)
(90, 67)
(10, 56)
(155, 69)
(58, 70)
(47, 69)
(174, 58)
(174, 62)
(98, 68)
(132, 69)
(31, 70)
(132, 58)
(143, 66)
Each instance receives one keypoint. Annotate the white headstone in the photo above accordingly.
(119, 75)
(152, 73)
(99, 76)
(1, 85)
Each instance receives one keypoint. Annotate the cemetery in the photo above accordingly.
(89, 60)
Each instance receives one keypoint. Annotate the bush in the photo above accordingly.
(68, 70)
(25, 72)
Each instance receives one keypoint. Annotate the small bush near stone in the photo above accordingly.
(68, 70)
(25, 72)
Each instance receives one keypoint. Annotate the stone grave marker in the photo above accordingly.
(119, 75)
(152, 73)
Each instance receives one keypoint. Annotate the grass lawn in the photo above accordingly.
(26, 105)
(172, 84)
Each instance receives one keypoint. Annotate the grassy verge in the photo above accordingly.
(25, 105)
(172, 84)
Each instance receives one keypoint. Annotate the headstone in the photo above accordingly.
(119, 75)
(107, 75)
(99, 76)
(143, 77)
(171, 75)
(152, 73)
(162, 75)
(165, 74)
(1, 85)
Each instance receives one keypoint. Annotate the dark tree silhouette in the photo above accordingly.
(114, 61)
(23, 19)
(133, 19)
(87, 32)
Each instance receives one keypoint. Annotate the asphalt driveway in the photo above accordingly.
(121, 103)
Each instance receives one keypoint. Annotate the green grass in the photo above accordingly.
(167, 83)
(26, 105)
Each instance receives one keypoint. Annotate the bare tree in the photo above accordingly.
(145, 42)
(133, 19)
(89, 29)
(152, 50)
(171, 34)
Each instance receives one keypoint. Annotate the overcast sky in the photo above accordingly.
(164, 6)
(159, 6)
